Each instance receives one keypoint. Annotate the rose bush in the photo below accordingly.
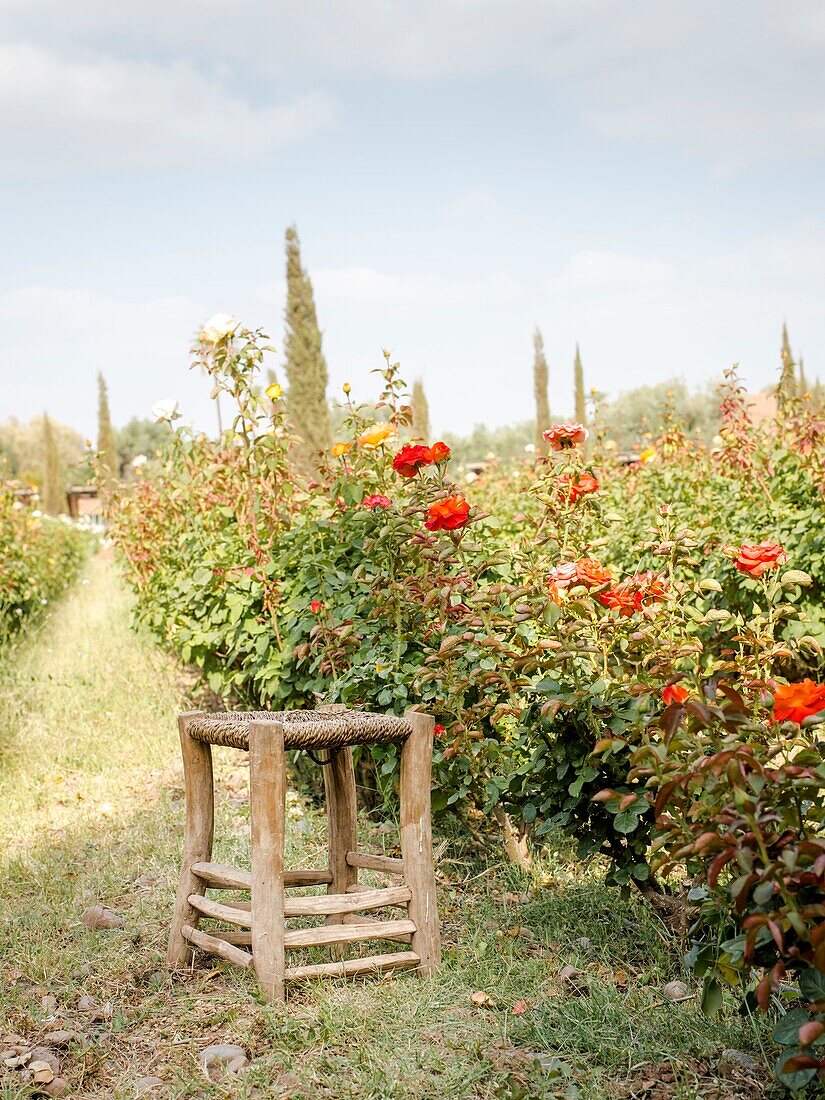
(39, 558)
(587, 635)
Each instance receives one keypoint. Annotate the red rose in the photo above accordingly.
(621, 598)
(793, 702)
(673, 693)
(376, 500)
(563, 437)
(440, 452)
(591, 573)
(448, 514)
(438, 730)
(411, 458)
(573, 488)
(316, 607)
(756, 558)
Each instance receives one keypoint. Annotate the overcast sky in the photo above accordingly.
(643, 176)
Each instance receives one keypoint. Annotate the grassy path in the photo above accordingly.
(91, 810)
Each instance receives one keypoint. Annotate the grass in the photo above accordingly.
(91, 811)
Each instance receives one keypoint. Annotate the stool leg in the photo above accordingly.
(267, 783)
(339, 782)
(197, 846)
(416, 839)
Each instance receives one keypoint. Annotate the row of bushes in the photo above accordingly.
(608, 651)
(39, 557)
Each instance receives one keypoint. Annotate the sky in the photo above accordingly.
(643, 177)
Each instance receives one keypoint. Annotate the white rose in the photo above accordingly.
(138, 461)
(217, 328)
(166, 410)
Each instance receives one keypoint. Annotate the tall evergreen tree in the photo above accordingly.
(802, 381)
(541, 382)
(106, 441)
(420, 412)
(786, 389)
(578, 386)
(306, 368)
(52, 471)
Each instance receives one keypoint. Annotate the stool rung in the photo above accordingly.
(216, 946)
(400, 960)
(362, 918)
(348, 933)
(233, 878)
(376, 863)
(323, 905)
(229, 914)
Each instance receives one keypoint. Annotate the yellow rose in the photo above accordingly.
(339, 449)
(648, 454)
(347, 388)
(273, 391)
(376, 435)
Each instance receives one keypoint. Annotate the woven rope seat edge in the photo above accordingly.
(303, 729)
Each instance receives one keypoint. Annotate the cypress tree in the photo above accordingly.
(420, 412)
(52, 471)
(786, 389)
(802, 381)
(578, 385)
(107, 455)
(306, 368)
(541, 381)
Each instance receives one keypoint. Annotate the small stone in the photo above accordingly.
(585, 943)
(147, 1084)
(86, 1004)
(732, 1062)
(59, 1038)
(42, 1073)
(57, 1087)
(101, 917)
(48, 1003)
(43, 1054)
(225, 1056)
(676, 991)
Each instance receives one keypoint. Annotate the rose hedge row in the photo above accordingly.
(39, 558)
(587, 636)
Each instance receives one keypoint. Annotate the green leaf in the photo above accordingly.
(786, 1030)
(626, 821)
(795, 1080)
(812, 985)
(711, 997)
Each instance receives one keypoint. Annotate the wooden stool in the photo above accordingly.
(265, 735)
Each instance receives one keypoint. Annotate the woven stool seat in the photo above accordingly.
(303, 729)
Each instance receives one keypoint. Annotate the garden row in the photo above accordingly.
(39, 557)
(631, 655)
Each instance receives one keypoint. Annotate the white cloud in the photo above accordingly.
(732, 82)
(56, 111)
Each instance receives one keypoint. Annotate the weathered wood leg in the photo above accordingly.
(267, 783)
(197, 846)
(339, 782)
(416, 839)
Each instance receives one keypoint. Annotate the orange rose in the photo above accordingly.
(754, 559)
(563, 437)
(440, 452)
(591, 573)
(448, 514)
(339, 449)
(620, 598)
(793, 702)
(573, 489)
